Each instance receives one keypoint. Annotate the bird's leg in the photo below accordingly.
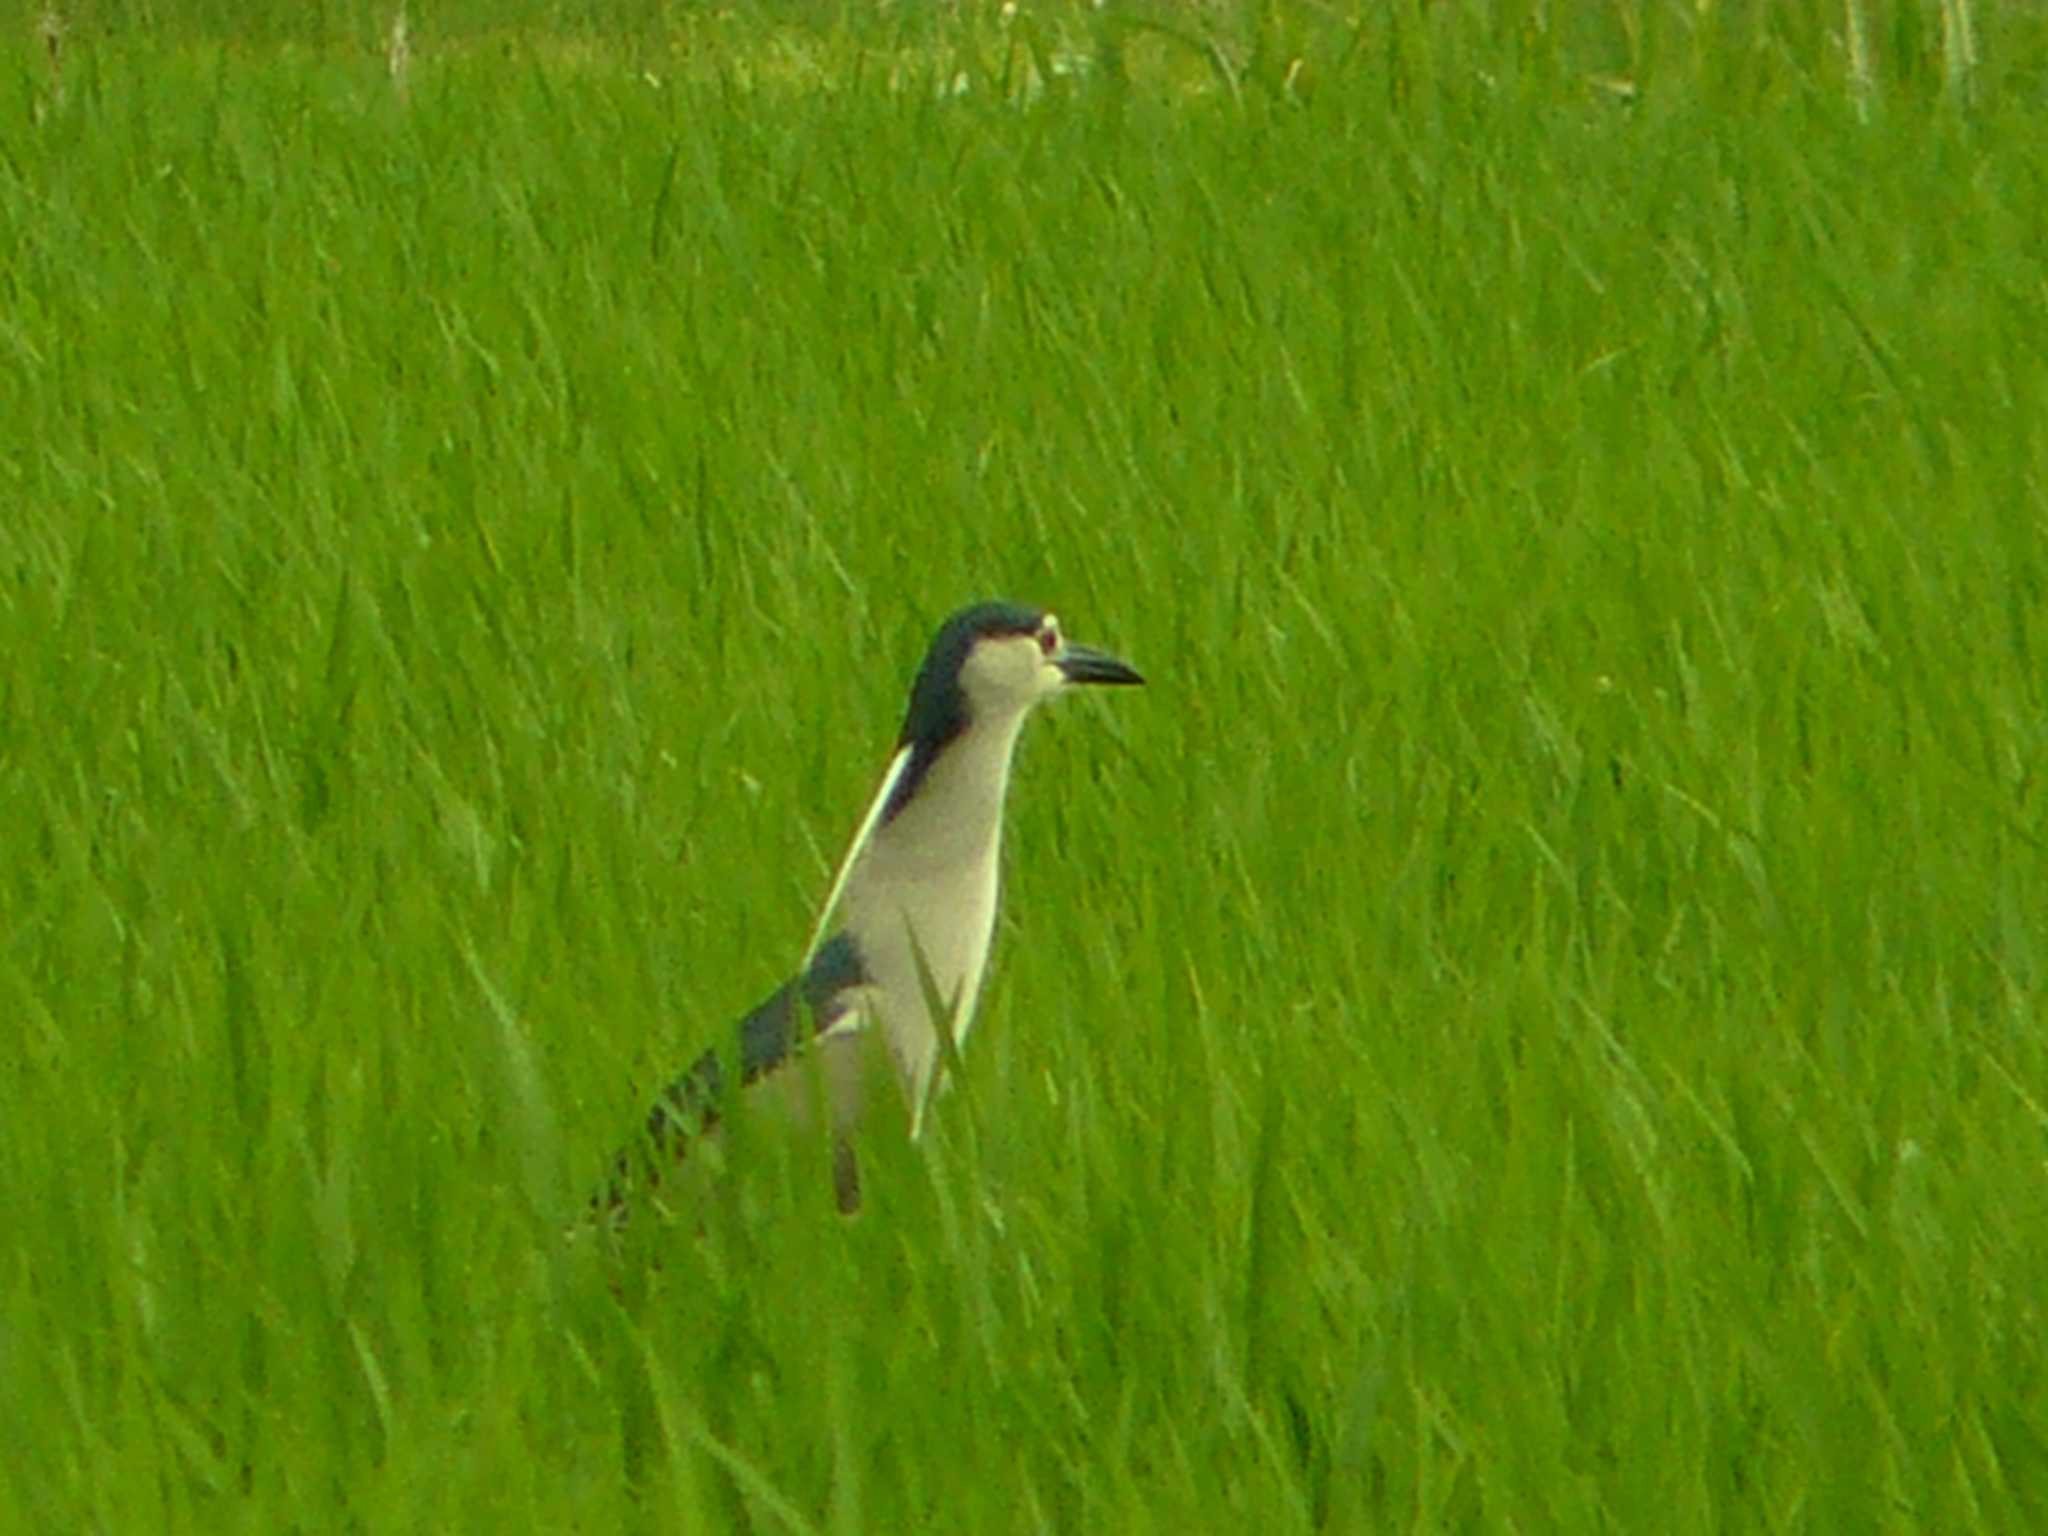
(845, 1174)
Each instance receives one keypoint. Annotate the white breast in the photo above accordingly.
(926, 884)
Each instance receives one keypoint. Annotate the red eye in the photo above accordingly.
(1049, 639)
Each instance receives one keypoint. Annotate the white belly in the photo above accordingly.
(949, 925)
(926, 885)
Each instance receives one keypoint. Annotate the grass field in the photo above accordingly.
(1534, 1021)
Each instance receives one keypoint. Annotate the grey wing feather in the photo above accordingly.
(769, 1038)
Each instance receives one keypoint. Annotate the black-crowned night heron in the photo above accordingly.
(902, 943)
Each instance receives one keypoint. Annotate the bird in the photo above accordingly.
(901, 945)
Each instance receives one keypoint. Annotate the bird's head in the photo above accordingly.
(996, 660)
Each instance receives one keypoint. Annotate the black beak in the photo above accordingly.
(1084, 664)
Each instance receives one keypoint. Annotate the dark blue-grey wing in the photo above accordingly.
(770, 1035)
(769, 1038)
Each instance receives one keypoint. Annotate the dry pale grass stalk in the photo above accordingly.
(1862, 79)
(398, 52)
(1958, 46)
(50, 28)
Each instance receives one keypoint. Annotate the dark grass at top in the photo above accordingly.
(1534, 1018)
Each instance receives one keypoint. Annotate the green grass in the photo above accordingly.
(1534, 1021)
